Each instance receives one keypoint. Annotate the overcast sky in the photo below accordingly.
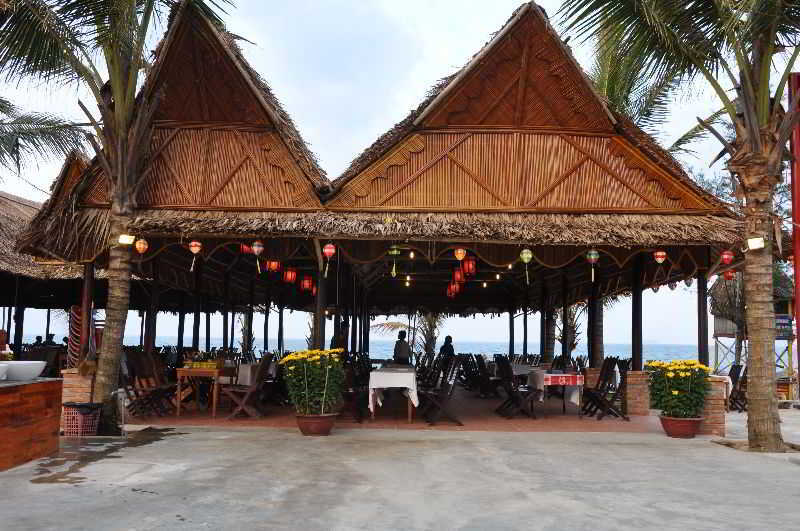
(347, 71)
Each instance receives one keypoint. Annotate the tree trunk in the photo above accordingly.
(119, 282)
(763, 422)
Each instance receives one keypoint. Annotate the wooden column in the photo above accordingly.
(152, 312)
(565, 338)
(250, 340)
(543, 321)
(225, 288)
(591, 315)
(636, 313)
(525, 331)
(319, 312)
(19, 317)
(511, 332)
(87, 292)
(198, 305)
(142, 318)
(47, 326)
(353, 327)
(182, 323)
(8, 323)
(702, 318)
(366, 324)
(280, 328)
(208, 331)
(267, 304)
(233, 329)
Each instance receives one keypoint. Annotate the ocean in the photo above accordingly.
(383, 348)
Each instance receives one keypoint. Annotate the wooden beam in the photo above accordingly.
(519, 109)
(552, 186)
(478, 180)
(499, 98)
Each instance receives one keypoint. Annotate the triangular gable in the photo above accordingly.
(524, 78)
(518, 128)
(220, 138)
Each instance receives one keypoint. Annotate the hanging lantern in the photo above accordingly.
(727, 257)
(660, 256)
(273, 266)
(141, 246)
(195, 247)
(289, 275)
(460, 253)
(525, 255)
(688, 282)
(592, 256)
(306, 283)
(450, 292)
(245, 249)
(329, 250)
(729, 274)
(469, 266)
(455, 287)
(257, 249)
(394, 252)
(458, 275)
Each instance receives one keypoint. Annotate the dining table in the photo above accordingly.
(215, 375)
(571, 384)
(393, 376)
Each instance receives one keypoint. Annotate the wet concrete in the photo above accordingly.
(196, 478)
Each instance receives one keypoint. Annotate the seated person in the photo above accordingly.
(402, 352)
(38, 341)
(49, 341)
(447, 348)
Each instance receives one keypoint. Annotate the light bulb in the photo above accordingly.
(511, 266)
(408, 277)
(408, 283)
(497, 276)
(484, 284)
(411, 255)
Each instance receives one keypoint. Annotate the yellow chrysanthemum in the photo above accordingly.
(670, 374)
(674, 392)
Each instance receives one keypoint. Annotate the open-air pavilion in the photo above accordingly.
(514, 159)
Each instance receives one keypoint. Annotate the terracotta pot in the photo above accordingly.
(316, 424)
(680, 428)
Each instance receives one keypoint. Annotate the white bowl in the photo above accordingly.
(24, 370)
(3, 370)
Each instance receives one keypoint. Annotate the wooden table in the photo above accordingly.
(214, 374)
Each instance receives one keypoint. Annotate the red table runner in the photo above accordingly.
(563, 379)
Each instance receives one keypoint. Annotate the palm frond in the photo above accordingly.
(696, 133)
(388, 327)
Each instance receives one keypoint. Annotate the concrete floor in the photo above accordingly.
(268, 478)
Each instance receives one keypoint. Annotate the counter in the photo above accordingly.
(30, 413)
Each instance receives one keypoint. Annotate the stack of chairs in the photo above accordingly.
(356, 390)
(605, 398)
(519, 396)
(468, 375)
(147, 392)
(437, 399)
(489, 383)
(738, 398)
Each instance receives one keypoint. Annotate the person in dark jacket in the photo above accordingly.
(402, 352)
(447, 348)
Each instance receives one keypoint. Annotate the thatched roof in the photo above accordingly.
(15, 214)
(621, 124)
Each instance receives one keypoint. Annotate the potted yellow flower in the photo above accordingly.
(679, 388)
(315, 380)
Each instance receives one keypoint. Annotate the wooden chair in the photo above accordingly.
(437, 401)
(489, 384)
(593, 397)
(246, 397)
(519, 397)
(738, 398)
(608, 404)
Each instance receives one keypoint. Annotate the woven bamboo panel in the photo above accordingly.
(525, 80)
(515, 170)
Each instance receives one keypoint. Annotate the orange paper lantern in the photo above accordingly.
(306, 283)
(460, 253)
(141, 246)
(289, 275)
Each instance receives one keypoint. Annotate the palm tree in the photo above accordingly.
(70, 42)
(731, 44)
(32, 135)
(422, 328)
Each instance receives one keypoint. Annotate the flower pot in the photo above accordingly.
(316, 424)
(679, 427)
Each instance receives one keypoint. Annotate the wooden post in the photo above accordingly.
(182, 323)
(86, 306)
(225, 288)
(702, 318)
(353, 331)
(280, 328)
(208, 331)
(267, 304)
(319, 312)
(565, 337)
(250, 340)
(47, 326)
(19, 317)
(142, 318)
(511, 332)
(198, 305)
(152, 312)
(636, 313)
(365, 326)
(525, 331)
(233, 328)
(543, 322)
(591, 314)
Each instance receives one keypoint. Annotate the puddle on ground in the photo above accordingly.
(75, 454)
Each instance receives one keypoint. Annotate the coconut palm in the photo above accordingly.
(26, 136)
(99, 46)
(422, 328)
(731, 45)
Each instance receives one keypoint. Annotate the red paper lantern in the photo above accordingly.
(289, 275)
(727, 257)
(245, 249)
(660, 256)
(469, 266)
(141, 246)
(306, 283)
(456, 287)
(458, 275)
(450, 292)
(273, 266)
(329, 250)
(195, 247)
(460, 253)
(729, 274)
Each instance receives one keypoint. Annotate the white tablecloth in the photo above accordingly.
(399, 377)
(536, 380)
